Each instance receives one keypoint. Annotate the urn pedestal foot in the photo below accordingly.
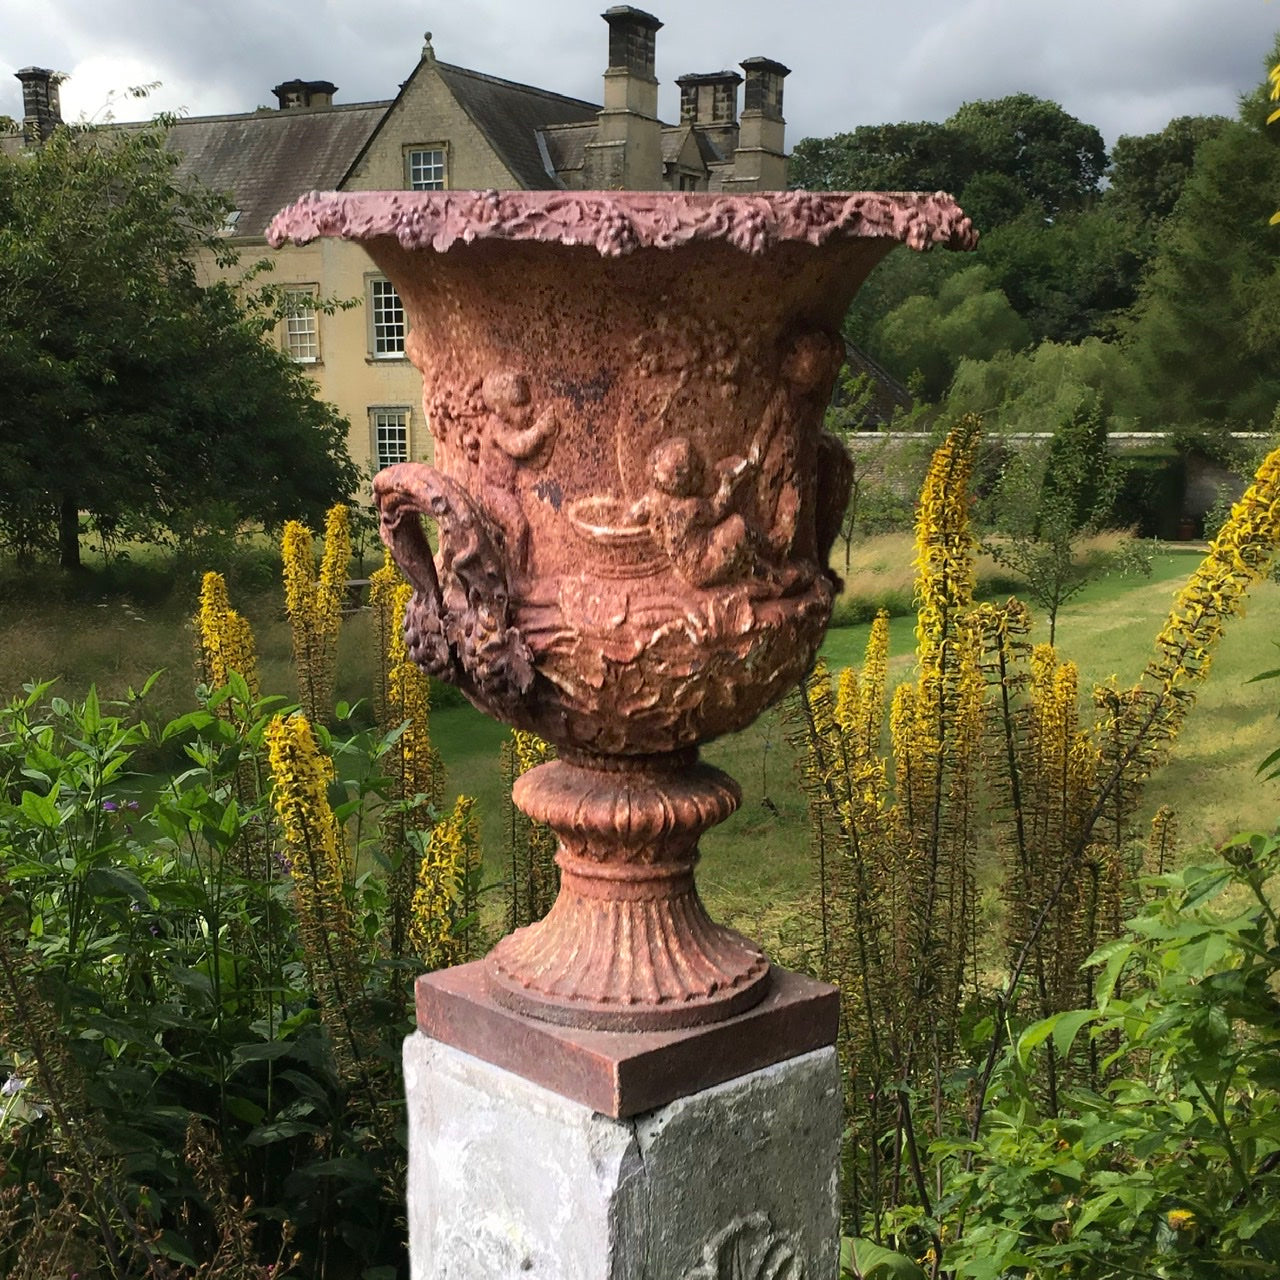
(628, 945)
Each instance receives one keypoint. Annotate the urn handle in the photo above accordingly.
(459, 625)
(403, 493)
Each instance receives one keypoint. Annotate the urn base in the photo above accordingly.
(627, 945)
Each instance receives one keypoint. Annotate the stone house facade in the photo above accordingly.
(448, 127)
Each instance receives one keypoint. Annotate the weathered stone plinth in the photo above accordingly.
(510, 1180)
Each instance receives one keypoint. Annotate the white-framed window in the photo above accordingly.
(301, 325)
(386, 320)
(426, 168)
(390, 431)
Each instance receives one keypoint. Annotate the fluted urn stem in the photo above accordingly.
(628, 944)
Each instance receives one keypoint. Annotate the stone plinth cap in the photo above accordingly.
(617, 223)
(621, 1073)
(709, 77)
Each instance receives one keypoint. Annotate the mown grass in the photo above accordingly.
(757, 867)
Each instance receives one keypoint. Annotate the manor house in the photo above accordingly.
(449, 127)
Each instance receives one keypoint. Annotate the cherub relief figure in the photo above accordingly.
(707, 541)
(511, 436)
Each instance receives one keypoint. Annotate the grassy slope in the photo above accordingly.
(757, 864)
(756, 859)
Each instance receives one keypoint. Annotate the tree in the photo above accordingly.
(1055, 159)
(930, 335)
(1029, 391)
(1148, 171)
(1069, 278)
(1203, 334)
(1005, 154)
(910, 156)
(133, 393)
(1051, 496)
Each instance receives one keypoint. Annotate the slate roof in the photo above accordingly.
(269, 158)
(510, 115)
(566, 144)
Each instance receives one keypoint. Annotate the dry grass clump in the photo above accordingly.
(881, 575)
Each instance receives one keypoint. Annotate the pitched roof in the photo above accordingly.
(566, 144)
(510, 116)
(269, 158)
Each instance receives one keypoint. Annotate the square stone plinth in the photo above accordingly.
(622, 1073)
(510, 1181)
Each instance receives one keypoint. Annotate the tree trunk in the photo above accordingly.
(69, 532)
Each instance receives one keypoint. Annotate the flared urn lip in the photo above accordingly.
(616, 223)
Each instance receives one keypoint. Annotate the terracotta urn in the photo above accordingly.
(634, 501)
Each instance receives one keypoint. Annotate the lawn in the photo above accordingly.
(755, 867)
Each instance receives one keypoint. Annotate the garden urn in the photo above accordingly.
(632, 500)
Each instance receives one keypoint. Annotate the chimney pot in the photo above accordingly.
(295, 95)
(709, 97)
(41, 104)
(632, 35)
(763, 91)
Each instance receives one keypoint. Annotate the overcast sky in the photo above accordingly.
(1127, 66)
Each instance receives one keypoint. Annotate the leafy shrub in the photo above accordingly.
(1171, 1166)
(153, 972)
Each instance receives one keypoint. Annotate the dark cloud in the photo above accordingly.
(1125, 65)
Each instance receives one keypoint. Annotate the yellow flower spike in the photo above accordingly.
(437, 928)
(299, 571)
(331, 587)
(314, 605)
(1139, 726)
(847, 709)
(226, 638)
(319, 870)
(531, 846)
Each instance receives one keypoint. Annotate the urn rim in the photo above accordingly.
(616, 223)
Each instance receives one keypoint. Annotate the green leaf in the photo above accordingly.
(244, 1109)
(874, 1262)
(280, 1131)
(174, 1246)
(264, 1052)
(1063, 1027)
(40, 809)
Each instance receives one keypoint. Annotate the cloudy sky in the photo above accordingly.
(1127, 66)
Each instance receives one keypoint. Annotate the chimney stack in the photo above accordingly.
(709, 102)
(627, 153)
(295, 95)
(760, 162)
(41, 105)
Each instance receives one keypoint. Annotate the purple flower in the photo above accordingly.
(12, 1086)
(109, 806)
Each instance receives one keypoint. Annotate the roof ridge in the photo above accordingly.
(272, 113)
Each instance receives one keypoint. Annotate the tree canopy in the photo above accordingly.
(1166, 255)
(1000, 157)
(135, 393)
(1203, 334)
